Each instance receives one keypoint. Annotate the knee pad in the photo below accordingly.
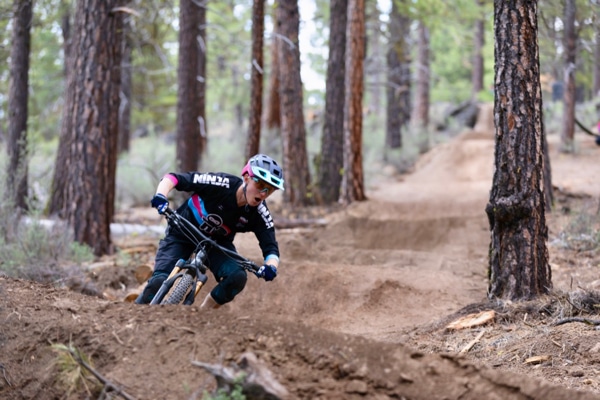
(238, 280)
(230, 287)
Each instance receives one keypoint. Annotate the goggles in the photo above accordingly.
(263, 187)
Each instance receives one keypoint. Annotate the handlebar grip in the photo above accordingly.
(169, 211)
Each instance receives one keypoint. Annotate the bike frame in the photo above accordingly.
(195, 266)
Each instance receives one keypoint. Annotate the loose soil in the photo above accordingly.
(360, 308)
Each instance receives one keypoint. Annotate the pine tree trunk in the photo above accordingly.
(256, 79)
(273, 111)
(126, 90)
(189, 134)
(353, 180)
(332, 142)
(421, 109)
(88, 150)
(479, 41)
(519, 268)
(293, 131)
(18, 90)
(201, 79)
(398, 91)
(596, 70)
(570, 46)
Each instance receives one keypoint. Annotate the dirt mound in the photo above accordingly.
(148, 353)
(359, 309)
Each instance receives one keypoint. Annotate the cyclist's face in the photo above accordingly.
(262, 186)
(257, 191)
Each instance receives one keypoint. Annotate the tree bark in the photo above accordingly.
(126, 90)
(374, 60)
(273, 111)
(332, 141)
(398, 91)
(18, 90)
(421, 110)
(293, 131)
(519, 268)
(478, 43)
(87, 154)
(256, 79)
(596, 70)
(201, 78)
(56, 205)
(353, 181)
(190, 124)
(570, 46)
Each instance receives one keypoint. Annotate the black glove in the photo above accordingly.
(160, 202)
(267, 272)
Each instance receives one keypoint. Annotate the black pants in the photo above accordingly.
(231, 277)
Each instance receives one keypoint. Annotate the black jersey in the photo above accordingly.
(213, 207)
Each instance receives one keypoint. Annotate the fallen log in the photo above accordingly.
(257, 382)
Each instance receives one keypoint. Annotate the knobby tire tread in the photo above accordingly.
(181, 289)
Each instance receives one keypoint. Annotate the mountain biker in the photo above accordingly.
(220, 205)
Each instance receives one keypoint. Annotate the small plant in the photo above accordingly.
(80, 253)
(582, 232)
(72, 373)
(32, 247)
(228, 393)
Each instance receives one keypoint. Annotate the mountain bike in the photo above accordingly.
(187, 278)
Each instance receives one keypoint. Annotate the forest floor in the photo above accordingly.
(361, 307)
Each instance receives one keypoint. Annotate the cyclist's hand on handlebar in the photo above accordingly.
(267, 272)
(160, 202)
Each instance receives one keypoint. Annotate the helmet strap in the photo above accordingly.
(244, 186)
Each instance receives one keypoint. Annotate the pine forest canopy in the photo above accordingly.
(154, 57)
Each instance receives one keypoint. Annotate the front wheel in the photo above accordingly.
(180, 291)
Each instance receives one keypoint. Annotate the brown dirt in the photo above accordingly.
(359, 309)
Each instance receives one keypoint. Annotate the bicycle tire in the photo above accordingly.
(181, 289)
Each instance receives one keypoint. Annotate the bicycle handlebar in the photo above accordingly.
(193, 233)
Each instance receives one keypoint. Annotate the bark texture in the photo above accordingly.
(478, 43)
(87, 155)
(18, 90)
(519, 267)
(256, 79)
(421, 110)
(332, 142)
(353, 181)
(191, 125)
(273, 111)
(398, 90)
(293, 131)
(570, 54)
(126, 91)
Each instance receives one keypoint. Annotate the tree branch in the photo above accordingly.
(577, 319)
(102, 379)
(586, 130)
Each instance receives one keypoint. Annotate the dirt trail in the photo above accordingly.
(335, 322)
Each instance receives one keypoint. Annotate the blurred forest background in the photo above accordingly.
(427, 65)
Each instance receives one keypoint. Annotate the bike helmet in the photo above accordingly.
(266, 169)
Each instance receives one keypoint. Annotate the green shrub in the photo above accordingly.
(35, 248)
(582, 232)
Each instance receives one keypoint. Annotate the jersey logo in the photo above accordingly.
(266, 216)
(241, 222)
(212, 224)
(211, 179)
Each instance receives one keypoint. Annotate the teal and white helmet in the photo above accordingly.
(266, 169)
